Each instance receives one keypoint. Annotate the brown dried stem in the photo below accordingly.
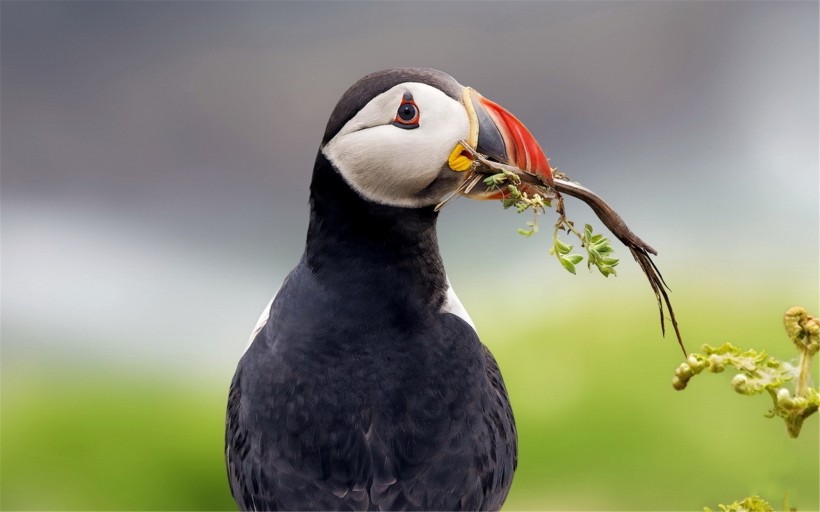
(640, 250)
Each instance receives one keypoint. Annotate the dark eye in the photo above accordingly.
(407, 115)
(407, 112)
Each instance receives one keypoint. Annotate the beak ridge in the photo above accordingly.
(502, 137)
(490, 142)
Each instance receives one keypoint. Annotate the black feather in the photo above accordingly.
(360, 393)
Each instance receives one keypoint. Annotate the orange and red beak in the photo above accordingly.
(500, 136)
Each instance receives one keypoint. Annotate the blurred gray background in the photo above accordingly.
(156, 158)
(157, 155)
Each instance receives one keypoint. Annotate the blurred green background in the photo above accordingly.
(155, 164)
(600, 426)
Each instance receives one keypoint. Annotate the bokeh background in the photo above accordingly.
(155, 165)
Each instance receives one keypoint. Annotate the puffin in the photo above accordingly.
(365, 385)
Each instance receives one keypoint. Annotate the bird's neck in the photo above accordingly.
(353, 240)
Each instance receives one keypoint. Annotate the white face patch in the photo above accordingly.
(393, 165)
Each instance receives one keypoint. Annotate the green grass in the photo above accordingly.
(600, 426)
(105, 440)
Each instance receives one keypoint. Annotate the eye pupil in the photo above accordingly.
(407, 112)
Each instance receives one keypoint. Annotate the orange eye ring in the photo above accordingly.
(407, 115)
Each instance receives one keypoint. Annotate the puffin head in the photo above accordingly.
(396, 137)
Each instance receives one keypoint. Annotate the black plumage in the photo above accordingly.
(361, 392)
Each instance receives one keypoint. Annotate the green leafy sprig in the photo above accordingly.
(761, 373)
(750, 504)
(496, 175)
(598, 248)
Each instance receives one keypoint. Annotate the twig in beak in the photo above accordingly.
(640, 250)
(473, 182)
(465, 188)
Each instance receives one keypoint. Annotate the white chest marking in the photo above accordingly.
(454, 306)
(451, 305)
(260, 324)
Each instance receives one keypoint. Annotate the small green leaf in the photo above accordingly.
(495, 180)
(561, 247)
(575, 258)
(567, 264)
(607, 271)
